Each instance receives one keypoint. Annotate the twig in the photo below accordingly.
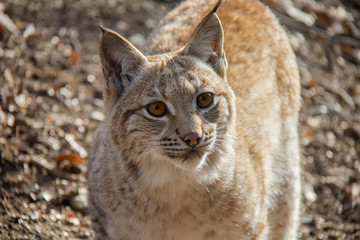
(39, 162)
(340, 111)
(8, 23)
(334, 88)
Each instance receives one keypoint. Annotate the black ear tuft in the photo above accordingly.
(100, 25)
(216, 6)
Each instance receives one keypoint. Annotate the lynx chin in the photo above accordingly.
(199, 144)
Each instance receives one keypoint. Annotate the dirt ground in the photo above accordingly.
(51, 102)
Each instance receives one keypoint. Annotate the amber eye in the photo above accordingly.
(156, 109)
(205, 100)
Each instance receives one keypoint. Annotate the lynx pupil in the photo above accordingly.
(205, 100)
(157, 109)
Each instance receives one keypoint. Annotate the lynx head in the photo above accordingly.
(172, 108)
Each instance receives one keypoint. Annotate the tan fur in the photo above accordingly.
(243, 181)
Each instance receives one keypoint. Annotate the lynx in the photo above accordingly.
(195, 144)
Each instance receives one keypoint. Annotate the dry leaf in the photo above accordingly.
(75, 57)
(74, 158)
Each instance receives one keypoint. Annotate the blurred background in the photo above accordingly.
(51, 102)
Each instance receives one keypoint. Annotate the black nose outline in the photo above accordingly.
(192, 139)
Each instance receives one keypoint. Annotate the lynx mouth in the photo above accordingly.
(192, 154)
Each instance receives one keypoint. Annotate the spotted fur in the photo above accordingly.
(240, 179)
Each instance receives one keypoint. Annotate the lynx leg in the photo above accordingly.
(284, 219)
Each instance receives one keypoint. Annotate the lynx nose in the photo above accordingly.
(192, 139)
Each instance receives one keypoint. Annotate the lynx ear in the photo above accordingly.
(207, 43)
(121, 62)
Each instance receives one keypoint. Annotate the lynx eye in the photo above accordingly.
(156, 109)
(205, 100)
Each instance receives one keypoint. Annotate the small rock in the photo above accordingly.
(80, 201)
(355, 191)
(29, 31)
(47, 196)
(74, 220)
(66, 92)
(137, 39)
(122, 26)
(90, 78)
(98, 116)
(309, 193)
(10, 120)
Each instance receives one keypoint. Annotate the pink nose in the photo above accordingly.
(192, 139)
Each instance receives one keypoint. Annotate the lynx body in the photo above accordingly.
(195, 144)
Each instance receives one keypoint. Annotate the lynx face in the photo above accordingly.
(175, 107)
(177, 110)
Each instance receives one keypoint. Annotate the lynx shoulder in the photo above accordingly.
(200, 138)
